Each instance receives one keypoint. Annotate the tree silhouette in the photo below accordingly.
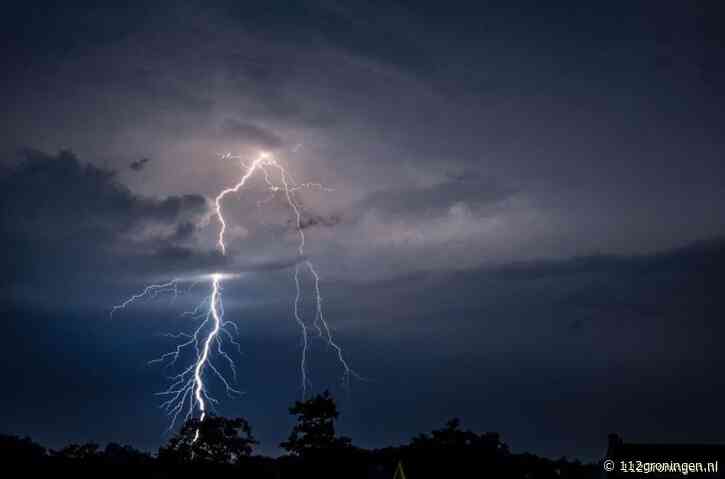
(221, 441)
(14, 449)
(225, 445)
(125, 455)
(451, 451)
(315, 428)
(78, 453)
(452, 437)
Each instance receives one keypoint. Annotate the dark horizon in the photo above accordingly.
(523, 225)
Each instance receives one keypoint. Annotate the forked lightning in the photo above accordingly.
(188, 392)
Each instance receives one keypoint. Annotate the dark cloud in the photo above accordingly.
(590, 338)
(139, 165)
(699, 256)
(77, 221)
(309, 220)
(69, 228)
(46, 191)
(235, 130)
(185, 231)
(625, 306)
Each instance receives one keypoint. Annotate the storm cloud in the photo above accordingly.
(523, 206)
(139, 165)
(78, 222)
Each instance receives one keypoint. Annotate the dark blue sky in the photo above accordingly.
(525, 228)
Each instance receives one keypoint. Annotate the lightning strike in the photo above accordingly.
(214, 302)
(188, 392)
(151, 291)
(289, 187)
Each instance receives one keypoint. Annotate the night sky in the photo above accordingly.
(525, 227)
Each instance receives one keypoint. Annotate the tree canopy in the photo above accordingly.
(315, 428)
(220, 441)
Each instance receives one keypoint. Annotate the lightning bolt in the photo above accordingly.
(151, 291)
(188, 391)
(214, 303)
(264, 163)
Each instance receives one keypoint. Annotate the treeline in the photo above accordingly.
(226, 447)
